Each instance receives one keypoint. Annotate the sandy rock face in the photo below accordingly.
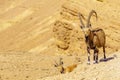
(62, 33)
(67, 38)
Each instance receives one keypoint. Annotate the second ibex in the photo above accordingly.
(94, 38)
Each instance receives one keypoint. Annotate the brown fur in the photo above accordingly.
(94, 38)
(65, 70)
(70, 68)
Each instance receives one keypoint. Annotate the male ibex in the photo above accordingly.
(94, 38)
(65, 70)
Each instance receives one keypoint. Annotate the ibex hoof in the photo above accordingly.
(105, 59)
(95, 62)
(88, 62)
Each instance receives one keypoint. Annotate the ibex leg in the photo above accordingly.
(88, 50)
(95, 56)
(104, 52)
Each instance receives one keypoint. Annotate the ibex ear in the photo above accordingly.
(55, 65)
(81, 27)
(90, 25)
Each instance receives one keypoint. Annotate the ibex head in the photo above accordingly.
(63, 70)
(86, 29)
(60, 65)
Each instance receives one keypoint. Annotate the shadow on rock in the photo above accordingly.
(107, 59)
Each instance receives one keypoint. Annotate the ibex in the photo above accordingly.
(64, 70)
(94, 38)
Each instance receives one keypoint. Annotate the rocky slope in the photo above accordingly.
(102, 71)
(36, 33)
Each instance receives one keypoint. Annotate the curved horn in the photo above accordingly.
(80, 15)
(89, 17)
